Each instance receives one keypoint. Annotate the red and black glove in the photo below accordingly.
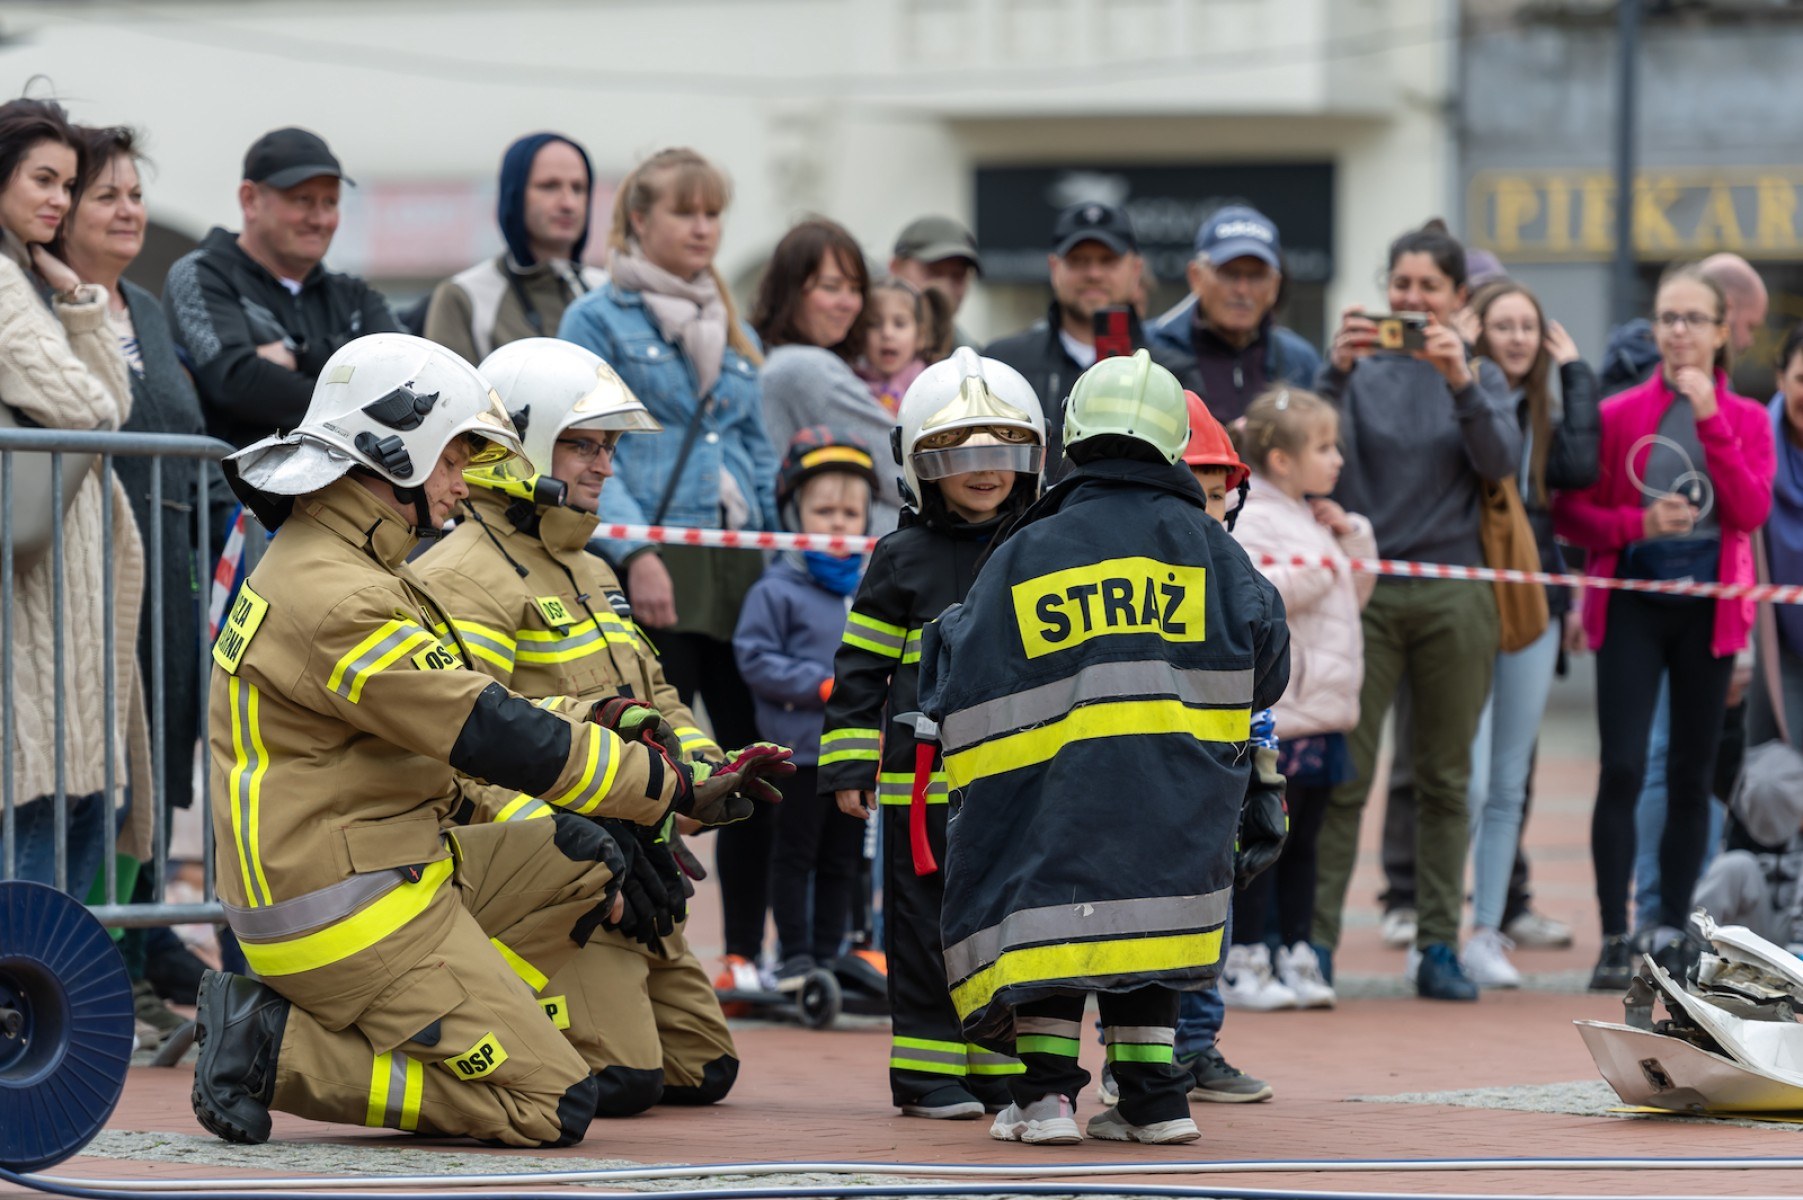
(636, 722)
(720, 795)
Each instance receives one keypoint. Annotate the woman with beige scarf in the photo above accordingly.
(61, 368)
(665, 321)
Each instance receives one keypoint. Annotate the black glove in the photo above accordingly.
(1264, 820)
(638, 915)
(656, 849)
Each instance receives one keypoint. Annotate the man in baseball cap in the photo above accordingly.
(257, 311)
(1236, 279)
(1094, 264)
(938, 253)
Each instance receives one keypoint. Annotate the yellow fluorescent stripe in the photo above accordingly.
(416, 1084)
(864, 643)
(588, 770)
(512, 807)
(545, 657)
(857, 618)
(563, 635)
(377, 1109)
(1124, 718)
(1085, 960)
(912, 1043)
(256, 793)
(412, 643)
(607, 777)
(352, 935)
(535, 978)
(493, 635)
(484, 653)
(931, 1068)
(240, 764)
(362, 648)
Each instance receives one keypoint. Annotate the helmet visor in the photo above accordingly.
(626, 420)
(485, 452)
(962, 460)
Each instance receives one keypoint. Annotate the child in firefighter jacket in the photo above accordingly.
(970, 443)
(1094, 698)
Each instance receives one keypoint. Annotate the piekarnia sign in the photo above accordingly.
(1569, 215)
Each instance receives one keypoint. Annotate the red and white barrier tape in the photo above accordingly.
(727, 539)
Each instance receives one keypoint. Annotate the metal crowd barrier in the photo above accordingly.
(116, 911)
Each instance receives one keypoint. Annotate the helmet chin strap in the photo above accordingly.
(1245, 489)
(423, 527)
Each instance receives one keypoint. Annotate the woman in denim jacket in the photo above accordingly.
(665, 321)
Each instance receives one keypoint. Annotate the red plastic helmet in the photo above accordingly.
(1209, 445)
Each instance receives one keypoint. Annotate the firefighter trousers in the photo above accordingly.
(648, 1024)
(928, 1049)
(1138, 1032)
(455, 1044)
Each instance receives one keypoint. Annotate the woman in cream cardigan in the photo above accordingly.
(61, 368)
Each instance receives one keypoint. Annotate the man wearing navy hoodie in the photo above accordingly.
(543, 206)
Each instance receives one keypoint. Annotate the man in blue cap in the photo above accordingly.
(1228, 327)
(543, 208)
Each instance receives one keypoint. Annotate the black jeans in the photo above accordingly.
(696, 663)
(1647, 635)
(1289, 885)
(813, 868)
(1152, 1086)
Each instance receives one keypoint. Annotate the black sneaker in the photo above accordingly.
(239, 1030)
(1440, 977)
(1614, 966)
(794, 972)
(949, 1103)
(1213, 1078)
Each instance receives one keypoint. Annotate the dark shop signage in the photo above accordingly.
(1017, 205)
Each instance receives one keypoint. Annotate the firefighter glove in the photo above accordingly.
(720, 795)
(636, 722)
(1264, 819)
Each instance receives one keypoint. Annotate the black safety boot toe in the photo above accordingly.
(239, 1029)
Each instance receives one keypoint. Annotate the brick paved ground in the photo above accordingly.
(817, 1096)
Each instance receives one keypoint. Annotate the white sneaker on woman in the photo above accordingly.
(1486, 960)
(1300, 970)
(1247, 981)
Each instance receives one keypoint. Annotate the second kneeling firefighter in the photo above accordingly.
(1095, 690)
(548, 618)
(343, 734)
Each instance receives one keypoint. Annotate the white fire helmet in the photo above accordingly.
(387, 402)
(967, 413)
(549, 386)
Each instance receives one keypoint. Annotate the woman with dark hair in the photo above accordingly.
(1555, 397)
(1422, 431)
(665, 320)
(811, 312)
(1684, 478)
(61, 368)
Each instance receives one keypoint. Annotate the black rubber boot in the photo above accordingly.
(239, 1028)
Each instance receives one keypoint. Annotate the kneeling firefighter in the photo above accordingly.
(1096, 690)
(547, 618)
(341, 730)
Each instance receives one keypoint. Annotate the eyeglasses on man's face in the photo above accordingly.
(588, 449)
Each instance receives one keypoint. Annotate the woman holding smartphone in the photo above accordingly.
(1421, 431)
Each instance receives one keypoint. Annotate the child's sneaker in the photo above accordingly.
(1398, 928)
(737, 974)
(1486, 960)
(794, 972)
(1110, 1125)
(1247, 982)
(1106, 1089)
(949, 1103)
(1050, 1120)
(1299, 969)
(1213, 1078)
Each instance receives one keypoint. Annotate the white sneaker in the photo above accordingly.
(1398, 928)
(1539, 931)
(1299, 970)
(1248, 983)
(1110, 1125)
(1050, 1120)
(1486, 960)
(1106, 1089)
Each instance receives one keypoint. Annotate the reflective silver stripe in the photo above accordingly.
(1140, 1035)
(532, 649)
(1104, 681)
(890, 790)
(397, 1091)
(951, 1058)
(1047, 1027)
(247, 781)
(1082, 922)
(499, 648)
(315, 910)
(348, 681)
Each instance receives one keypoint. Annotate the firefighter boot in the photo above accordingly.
(239, 1027)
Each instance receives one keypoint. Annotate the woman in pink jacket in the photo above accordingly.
(1685, 476)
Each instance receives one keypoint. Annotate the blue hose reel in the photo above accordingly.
(65, 1026)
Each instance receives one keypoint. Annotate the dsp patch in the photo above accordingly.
(1117, 596)
(480, 1061)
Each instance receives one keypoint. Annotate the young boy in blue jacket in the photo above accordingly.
(788, 629)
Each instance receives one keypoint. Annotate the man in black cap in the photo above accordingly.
(1236, 279)
(939, 253)
(256, 313)
(1094, 264)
